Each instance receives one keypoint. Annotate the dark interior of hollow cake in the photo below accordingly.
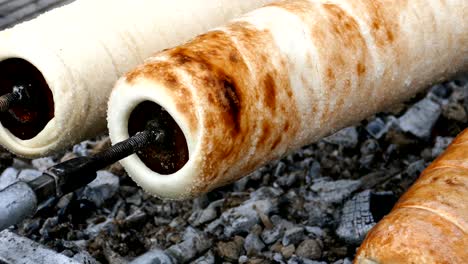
(26, 119)
(173, 154)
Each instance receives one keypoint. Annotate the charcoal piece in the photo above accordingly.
(253, 244)
(194, 243)
(206, 215)
(156, 256)
(330, 191)
(361, 213)
(102, 188)
(85, 258)
(377, 128)
(347, 137)
(455, 111)
(230, 250)
(441, 91)
(421, 118)
(240, 219)
(370, 146)
(441, 143)
(310, 249)
(208, 258)
(293, 236)
(288, 251)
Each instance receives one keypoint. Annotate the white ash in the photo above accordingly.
(420, 119)
(102, 188)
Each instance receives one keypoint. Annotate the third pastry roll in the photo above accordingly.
(429, 224)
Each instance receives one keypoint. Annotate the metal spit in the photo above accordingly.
(22, 199)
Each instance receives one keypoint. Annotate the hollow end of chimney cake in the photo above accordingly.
(26, 119)
(168, 169)
(170, 156)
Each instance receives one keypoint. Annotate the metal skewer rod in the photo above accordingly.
(21, 200)
(18, 96)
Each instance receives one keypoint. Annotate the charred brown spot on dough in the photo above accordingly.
(225, 90)
(25, 121)
(344, 25)
(163, 72)
(286, 127)
(340, 103)
(131, 76)
(236, 90)
(153, 70)
(234, 57)
(330, 74)
(171, 79)
(219, 73)
(293, 7)
(266, 131)
(248, 31)
(264, 58)
(270, 91)
(234, 104)
(435, 179)
(173, 154)
(390, 36)
(361, 69)
(274, 83)
(345, 91)
(384, 25)
(346, 60)
(347, 87)
(447, 203)
(284, 63)
(326, 112)
(149, 70)
(276, 143)
(184, 103)
(453, 182)
(181, 59)
(314, 108)
(339, 61)
(375, 25)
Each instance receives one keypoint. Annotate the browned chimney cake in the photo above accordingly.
(278, 78)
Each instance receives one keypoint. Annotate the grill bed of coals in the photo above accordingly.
(313, 206)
